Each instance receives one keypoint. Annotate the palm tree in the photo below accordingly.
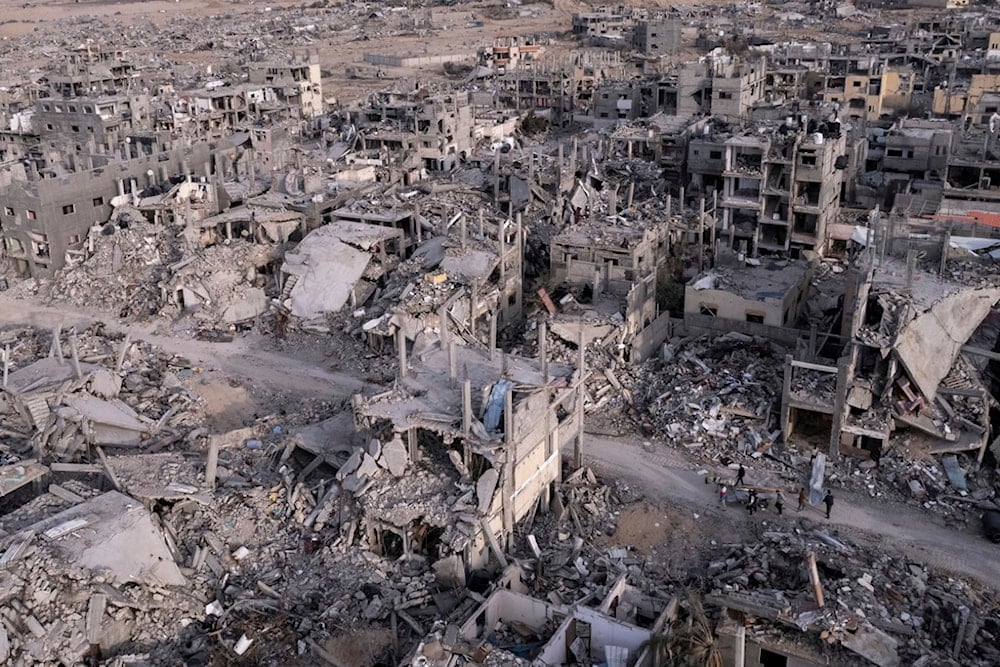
(688, 642)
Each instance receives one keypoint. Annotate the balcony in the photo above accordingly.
(742, 199)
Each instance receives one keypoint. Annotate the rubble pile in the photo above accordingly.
(224, 283)
(874, 604)
(122, 274)
(67, 392)
(58, 606)
(557, 546)
(713, 396)
(871, 603)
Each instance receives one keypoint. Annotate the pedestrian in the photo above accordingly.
(723, 493)
(828, 499)
(802, 498)
(779, 503)
(752, 502)
(740, 474)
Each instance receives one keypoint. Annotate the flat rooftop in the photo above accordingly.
(770, 280)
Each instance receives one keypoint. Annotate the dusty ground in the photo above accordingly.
(249, 375)
(239, 380)
(670, 480)
(674, 537)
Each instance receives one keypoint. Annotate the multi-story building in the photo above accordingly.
(777, 190)
(45, 215)
(658, 36)
(723, 86)
(297, 84)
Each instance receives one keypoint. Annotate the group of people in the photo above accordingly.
(754, 503)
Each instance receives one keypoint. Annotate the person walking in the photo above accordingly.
(740, 474)
(752, 502)
(779, 503)
(828, 499)
(723, 494)
(802, 498)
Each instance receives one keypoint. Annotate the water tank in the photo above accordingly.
(817, 138)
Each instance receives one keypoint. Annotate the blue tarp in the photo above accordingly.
(954, 472)
(494, 405)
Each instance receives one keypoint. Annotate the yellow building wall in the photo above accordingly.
(961, 101)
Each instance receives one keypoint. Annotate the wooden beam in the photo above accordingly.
(817, 585)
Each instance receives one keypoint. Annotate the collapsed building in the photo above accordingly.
(501, 424)
(902, 352)
(422, 220)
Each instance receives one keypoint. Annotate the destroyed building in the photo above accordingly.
(902, 360)
(612, 272)
(778, 188)
(498, 425)
(675, 234)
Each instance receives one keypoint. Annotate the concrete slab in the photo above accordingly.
(333, 438)
(874, 645)
(485, 486)
(119, 540)
(252, 303)
(46, 373)
(395, 457)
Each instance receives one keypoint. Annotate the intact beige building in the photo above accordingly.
(772, 293)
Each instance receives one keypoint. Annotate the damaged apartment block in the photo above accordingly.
(479, 437)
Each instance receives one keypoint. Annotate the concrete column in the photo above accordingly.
(443, 332)
(508, 472)
(740, 648)
(500, 242)
(211, 461)
(496, 179)
(411, 444)
(581, 369)
(493, 334)
(786, 391)
(701, 235)
(56, 349)
(543, 350)
(715, 219)
(452, 362)
(839, 405)
(559, 168)
(467, 406)
(401, 346)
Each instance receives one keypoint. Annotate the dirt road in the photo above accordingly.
(231, 373)
(667, 475)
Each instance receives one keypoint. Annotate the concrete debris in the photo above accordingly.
(434, 267)
(66, 406)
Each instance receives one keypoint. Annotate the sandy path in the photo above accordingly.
(666, 474)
